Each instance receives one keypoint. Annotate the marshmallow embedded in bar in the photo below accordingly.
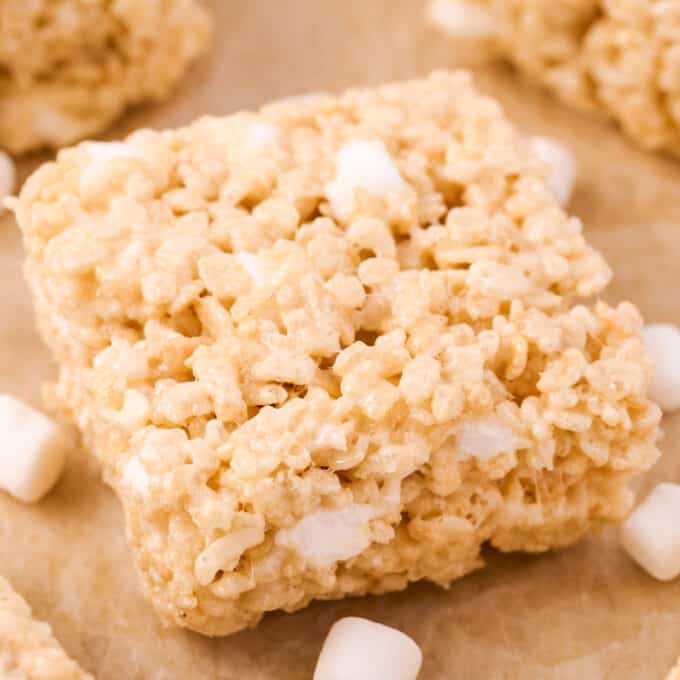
(359, 649)
(33, 451)
(651, 535)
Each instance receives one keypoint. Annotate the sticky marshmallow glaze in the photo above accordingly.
(33, 453)
(651, 535)
(663, 343)
(358, 649)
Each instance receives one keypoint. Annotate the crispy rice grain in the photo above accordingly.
(298, 400)
(69, 68)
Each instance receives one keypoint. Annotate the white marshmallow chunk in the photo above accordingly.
(7, 177)
(651, 534)
(461, 19)
(366, 164)
(101, 154)
(358, 649)
(561, 165)
(136, 476)
(663, 343)
(260, 135)
(33, 453)
(485, 437)
(328, 536)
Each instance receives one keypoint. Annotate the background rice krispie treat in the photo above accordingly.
(68, 68)
(334, 347)
(28, 651)
(620, 58)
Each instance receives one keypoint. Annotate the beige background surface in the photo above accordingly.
(585, 613)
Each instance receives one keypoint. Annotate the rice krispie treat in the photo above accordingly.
(68, 68)
(333, 347)
(28, 651)
(618, 57)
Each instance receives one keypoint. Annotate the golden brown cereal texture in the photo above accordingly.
(28, 651)
(620, 58)
(68, 68)
(298, 397)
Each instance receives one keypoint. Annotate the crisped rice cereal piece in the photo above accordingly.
(675, 672)
(620, 58)
(69, 68)
(308, 381)
(28, 651)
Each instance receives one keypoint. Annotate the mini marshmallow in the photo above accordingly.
(663, 343)
(7, 177)
(328, 536)
(260, 135)
(358, 649)
(651, 534)
(33, 453)
(461, 19)
(561, 165)
(485, 437)
(366, 164)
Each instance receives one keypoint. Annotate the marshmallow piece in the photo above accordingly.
(136, 476)
(663, 343)
(328, 536)
(261, 135)
(366, 164)
(358, 649)
(485, 437)
(651, 534)
(33, 453)
(461, 19)
(7, 177)
(561, 165)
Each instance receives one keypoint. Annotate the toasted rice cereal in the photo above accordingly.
(309, 382)
(620, 58)
(69, 68)
(28, 651)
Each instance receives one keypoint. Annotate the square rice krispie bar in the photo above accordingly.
(68, 68)
(27, 649)
(617, 57)
(333, 347)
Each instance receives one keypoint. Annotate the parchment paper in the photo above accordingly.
(584, 613)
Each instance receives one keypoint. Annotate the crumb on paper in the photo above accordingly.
(423, 364)
(365, 650)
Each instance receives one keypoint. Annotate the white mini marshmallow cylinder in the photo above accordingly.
(651, 534)
(663, 343)
(33, 452)
(358, 649)
(561, 165)
(7, 177)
